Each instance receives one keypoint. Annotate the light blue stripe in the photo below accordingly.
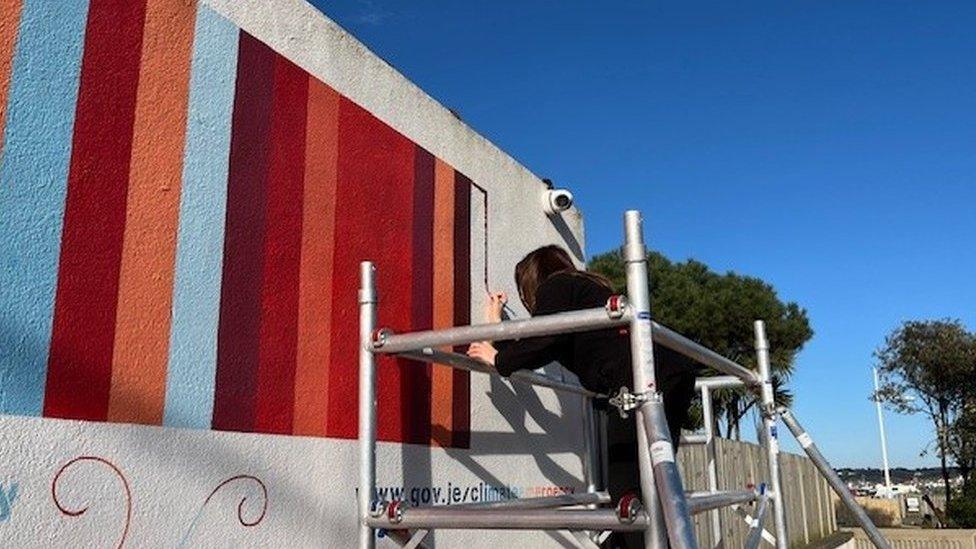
(200, 240)
(33, 183)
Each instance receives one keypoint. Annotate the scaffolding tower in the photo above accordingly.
(663, 509)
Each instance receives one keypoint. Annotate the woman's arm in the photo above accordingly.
(528, 354)
(554, 296)
(485, 350)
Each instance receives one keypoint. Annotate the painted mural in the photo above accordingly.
(182, 214)
(248, 492)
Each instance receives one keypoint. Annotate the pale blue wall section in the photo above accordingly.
(200, 239)
(33, 182)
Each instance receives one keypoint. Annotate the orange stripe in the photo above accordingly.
(442, 381)
(318, 233)
(152, 210)
(9, 23)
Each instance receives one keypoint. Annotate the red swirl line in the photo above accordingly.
(79, 512)
(240, 506)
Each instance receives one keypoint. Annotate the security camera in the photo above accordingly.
(555, 201)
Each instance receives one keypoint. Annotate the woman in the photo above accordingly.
(548, 282)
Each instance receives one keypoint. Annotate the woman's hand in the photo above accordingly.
(496, 302)
(483, 351)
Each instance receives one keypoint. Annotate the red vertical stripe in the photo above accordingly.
(461, 403)
(374, 206)
(238, 336)
(80, 362)
(282, 251)
(415, 385)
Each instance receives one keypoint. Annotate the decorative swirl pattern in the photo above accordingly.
(70, 512)
(240, 506)
(78, 512)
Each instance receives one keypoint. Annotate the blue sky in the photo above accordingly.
(827, 147)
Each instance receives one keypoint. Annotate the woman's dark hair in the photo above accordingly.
(536, 267)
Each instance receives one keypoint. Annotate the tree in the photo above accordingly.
(927, 367)
(962, 510)
(962, 448)
(718, 310)
(962, 439)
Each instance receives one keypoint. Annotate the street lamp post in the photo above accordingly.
(884, 440)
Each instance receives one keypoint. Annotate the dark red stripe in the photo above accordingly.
(374, 206)
(238, 334)
(461, 402)
(282, 251)
(415, 385)
(79, 372)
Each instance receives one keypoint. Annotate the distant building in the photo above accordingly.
(882, 491)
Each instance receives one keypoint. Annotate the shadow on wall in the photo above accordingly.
(517, 403)
(572, 243)
(27, 348)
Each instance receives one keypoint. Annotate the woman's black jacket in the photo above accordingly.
(601, 359)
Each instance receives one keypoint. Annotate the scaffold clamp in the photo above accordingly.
(625, 401)
(616, 306)
(394, 511)
(769, 410)
(379, 337)
(628, 508)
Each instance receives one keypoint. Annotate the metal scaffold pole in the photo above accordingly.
(700, 502)
(591, 465)
(756, 530)
(367, 402)
(559, 323)
(770, 436)
(659, 472)
(835, 482)
(591, 460)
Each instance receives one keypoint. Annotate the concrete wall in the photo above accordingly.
(186, 189)
(809, 500)
(911, 538)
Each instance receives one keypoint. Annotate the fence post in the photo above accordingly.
(708, 419)
(803, 505)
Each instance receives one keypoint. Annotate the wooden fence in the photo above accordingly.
(809, 500)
